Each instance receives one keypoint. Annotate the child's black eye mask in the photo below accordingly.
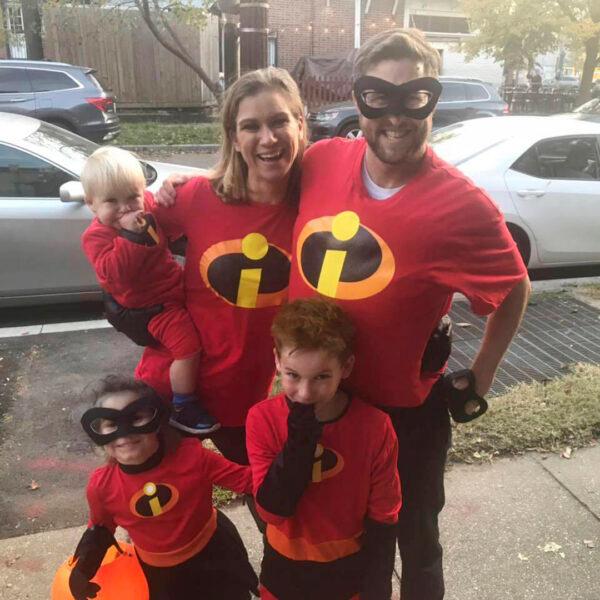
(145, 415)
(415, 99)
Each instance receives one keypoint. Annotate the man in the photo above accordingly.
(391, 232)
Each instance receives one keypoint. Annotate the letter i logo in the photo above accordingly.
(153, 502)
(344, 227)
(254, 247)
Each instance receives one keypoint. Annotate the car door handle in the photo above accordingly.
(18, 100)
(534, 193)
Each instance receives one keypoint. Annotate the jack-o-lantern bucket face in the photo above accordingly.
(120, 577)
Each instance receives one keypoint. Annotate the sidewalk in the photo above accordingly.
(519, 529)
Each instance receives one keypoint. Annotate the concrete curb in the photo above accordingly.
(207, 148)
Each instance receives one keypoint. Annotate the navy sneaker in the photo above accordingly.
(192, 418)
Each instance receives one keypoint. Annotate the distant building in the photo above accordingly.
(326, 27)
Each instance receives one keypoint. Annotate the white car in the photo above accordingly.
(544, 174)
(42, 260)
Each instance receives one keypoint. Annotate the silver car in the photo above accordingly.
(41, 257)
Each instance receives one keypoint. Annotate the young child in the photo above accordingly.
(159, 488)
(130, 255)
(323, 466)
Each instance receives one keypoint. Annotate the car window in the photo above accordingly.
(592, 107)
(14, 81)
(47, 81)
(23, 175)
(452, 91)
(476, 92)
(561, 158)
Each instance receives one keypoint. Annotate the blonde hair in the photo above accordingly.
(397, 44)
(111, 171)
(230, 176)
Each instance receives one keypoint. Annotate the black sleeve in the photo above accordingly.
(147, 237)
(291, 471)
(379, 551)
(89, 553)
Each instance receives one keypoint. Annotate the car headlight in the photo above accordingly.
(327, 116)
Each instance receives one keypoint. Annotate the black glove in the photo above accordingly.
(89, 553)
(133, 322)
(291, 471)
(439, 346)
(458, 399)
(379, 552)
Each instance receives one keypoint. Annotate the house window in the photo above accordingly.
(272, 50)
(15, 19)
(440, 24)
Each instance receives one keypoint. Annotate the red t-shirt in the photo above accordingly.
(236, 277)
(356, 478)
(393, 265)
(135, 274)
(167, 510)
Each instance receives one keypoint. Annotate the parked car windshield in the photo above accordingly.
(50, 140)
(457, 143)
(593, 106)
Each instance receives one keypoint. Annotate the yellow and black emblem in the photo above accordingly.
(153, 500)
(327, 463)
(249, 273)
(341, 258)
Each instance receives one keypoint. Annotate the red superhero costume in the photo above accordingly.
(315, 551)
(236, 275)
(394, 265)
(139, 271)
(167, 510)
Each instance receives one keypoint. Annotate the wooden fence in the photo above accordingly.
(318, 91)
(128, 59)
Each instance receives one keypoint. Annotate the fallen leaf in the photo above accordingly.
(463, 324)
(34, 485)
(550, 547)
(567, 452)
(589, 543)
(561, 554)
(522, 556)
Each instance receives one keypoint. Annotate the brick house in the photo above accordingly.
(325, 27)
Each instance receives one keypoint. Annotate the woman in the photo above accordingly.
(238, 221)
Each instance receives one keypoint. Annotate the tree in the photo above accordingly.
(156, 16)
(582, 30)
(32, 24)
(513, 32)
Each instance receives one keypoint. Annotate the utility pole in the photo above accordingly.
(254, 20)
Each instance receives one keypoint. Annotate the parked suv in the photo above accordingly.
(461, 99)
(59, 93)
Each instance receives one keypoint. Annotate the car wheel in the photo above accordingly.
(522, 241)
(351, 131)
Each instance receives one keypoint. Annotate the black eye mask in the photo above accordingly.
(415, 99)
(105, 425)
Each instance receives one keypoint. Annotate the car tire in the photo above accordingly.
(522, 241)
(350, 131)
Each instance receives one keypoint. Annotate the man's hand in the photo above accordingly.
(166, 195)
(133, 221)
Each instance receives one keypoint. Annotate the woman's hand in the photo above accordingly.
(166, 195)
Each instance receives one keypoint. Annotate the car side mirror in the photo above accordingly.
(72, 191)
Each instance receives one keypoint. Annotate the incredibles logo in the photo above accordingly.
(151, 228)
(327, 463)
(341, 258)
(153, 500)
(249, 273)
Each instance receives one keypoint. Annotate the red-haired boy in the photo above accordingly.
(324, 468)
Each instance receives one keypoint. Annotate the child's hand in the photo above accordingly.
(81, 587)
(133, 221)
(302, 423)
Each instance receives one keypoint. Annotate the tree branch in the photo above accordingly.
(146, 14)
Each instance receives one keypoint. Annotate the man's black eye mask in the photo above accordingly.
(397, 95)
